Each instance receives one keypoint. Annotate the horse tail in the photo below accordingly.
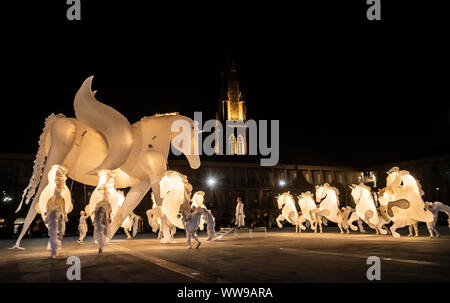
(210, 222)
(39, 162)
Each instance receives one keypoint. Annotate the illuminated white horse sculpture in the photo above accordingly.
(329, 206)
(309, 209)
(289, 212)
(365, 209)
(101, 138)
(402, 202)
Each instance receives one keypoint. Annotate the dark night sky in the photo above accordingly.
(346, 91)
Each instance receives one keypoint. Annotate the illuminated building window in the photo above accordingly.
(240, 145)
(231, 144)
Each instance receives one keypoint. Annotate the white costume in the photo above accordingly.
(82, 226)
(240, 222)
(102, 220)
(54, 210)
(435, 208)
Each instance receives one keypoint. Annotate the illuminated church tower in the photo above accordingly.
(233, 108)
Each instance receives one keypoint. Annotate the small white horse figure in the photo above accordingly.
(328, 196)
(365, 209)
(309, 209)
(289, 212)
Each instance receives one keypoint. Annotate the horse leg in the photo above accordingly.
(279, 219)
(340, 227)
(416, 228)
(410, 228)
(132, 199)
(301, 220)
(127, 233)
(361, 226)
(382, 231)
(352, 219)
(398, 224)
(196, 239)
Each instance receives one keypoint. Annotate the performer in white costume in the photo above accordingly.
(240, 222)
(435, 208)
(56, 219)
(191, 222)
(82, 226)
(198, 201)
(54, 209)
(102, 219)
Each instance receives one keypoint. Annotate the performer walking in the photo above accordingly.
(240, 222)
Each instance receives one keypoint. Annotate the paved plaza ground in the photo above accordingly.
(282, 256)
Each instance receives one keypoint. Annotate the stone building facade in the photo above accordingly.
(224, 181)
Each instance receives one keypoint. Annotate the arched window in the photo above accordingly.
(231, 144)
(240, 145)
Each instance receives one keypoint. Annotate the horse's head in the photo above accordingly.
(281, 200)
(306, 196)
(171, 180)
(198, 198)
(394, 177)
(160, 132)
(356, 193)
(154, 219)
(320, 192)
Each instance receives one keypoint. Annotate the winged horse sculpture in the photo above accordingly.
(100, 138)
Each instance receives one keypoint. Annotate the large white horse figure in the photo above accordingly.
(289, 212)
(309, 209)
(401, 200)
(100, 138)
(365, 209)
(328, 196)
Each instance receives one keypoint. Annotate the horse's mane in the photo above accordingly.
(362, 185)
(159, 116)
(166, 114)
(306, 194)
(288, 194)
(395, 169)
(336, 191)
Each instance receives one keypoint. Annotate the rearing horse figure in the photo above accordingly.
(328, 197)
(289, 212)
(365, 209)
(100, 138)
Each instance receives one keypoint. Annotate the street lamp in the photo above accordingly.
(282, 183)
(211, 181)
